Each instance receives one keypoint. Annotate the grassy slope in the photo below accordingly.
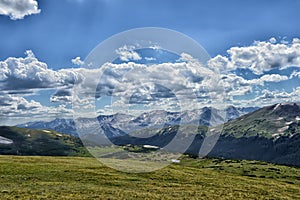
(85, 178)
(266, 122)
(40, 142)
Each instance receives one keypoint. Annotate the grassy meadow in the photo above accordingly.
(42, 177)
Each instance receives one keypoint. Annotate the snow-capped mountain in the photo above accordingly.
(60, 125)
(129, 123)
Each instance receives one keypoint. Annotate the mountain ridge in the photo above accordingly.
(129, 123)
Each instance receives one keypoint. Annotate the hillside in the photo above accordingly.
(85, 178)
(270, 122)
(271, 134)
(21, 141)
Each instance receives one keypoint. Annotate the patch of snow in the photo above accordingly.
(59, 135)
(4, 140)
(280, 130)
(297, 118)
(277, 105)
(279, 118)
(275, 134)
(46, 131)
(147, 146)
(28, 135)
(175, 161)
(288, 123)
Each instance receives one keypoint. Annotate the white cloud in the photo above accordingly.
(260, 57)
(157, 85)
(30, 73)
(62, 96)
(272, 97)
(11, 103)
(273, 78)
(127, 53)
(273, 40)
(221, 63)
(295, 74)
(18, 9)
(268, 97)
(238, 86)
(77, 61)
(16, 110)
(150, 58)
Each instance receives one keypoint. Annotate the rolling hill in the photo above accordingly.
(21, 141)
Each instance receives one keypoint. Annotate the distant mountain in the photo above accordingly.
(60, 125)
(21, 141)
(157, 118)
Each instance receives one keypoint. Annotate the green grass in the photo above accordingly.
(86, 178)
(40, 142)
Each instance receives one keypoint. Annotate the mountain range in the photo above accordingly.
(271, 133)
(129, 123)
(268, 134)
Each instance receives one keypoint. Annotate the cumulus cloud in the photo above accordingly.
(295, 74)
(230, 81)
(268, 97)
(273, 78)
(273, 40)
(16, 109)
(156, 84)
(187, 79)
(186, 83)
(260, 57)
(221, 63)
(62, 96)
(238, 86)
(77, 61)
(127, 53)
(30, 73)
(9, 103)
(18, 9)
(150, 58)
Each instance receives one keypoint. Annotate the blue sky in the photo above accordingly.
(54, 32)
(68, 28)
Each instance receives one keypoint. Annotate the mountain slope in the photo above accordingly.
(270, 122)
(270, 134)
(21, 141)
(60, 125)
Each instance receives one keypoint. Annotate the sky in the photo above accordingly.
(253, 45)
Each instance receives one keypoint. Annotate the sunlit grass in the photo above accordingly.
(86, 178)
